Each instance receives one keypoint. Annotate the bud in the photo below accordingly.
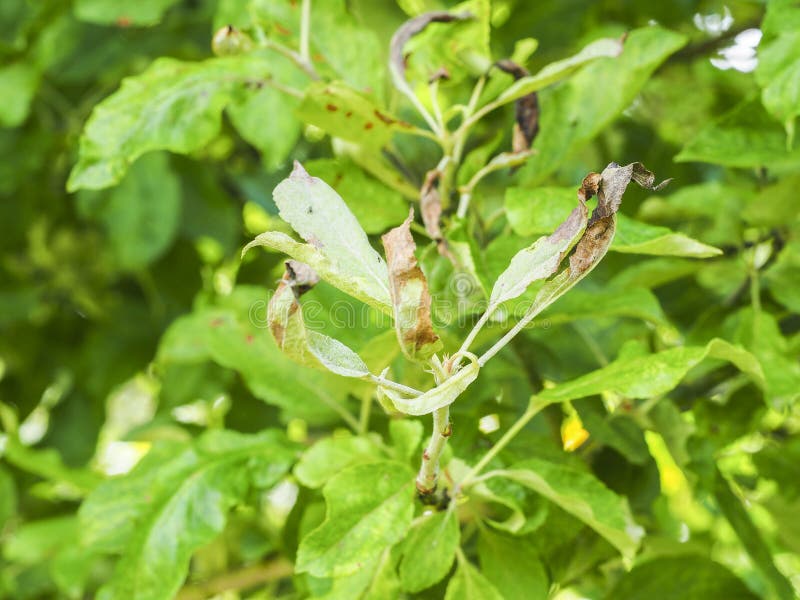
(229, 41)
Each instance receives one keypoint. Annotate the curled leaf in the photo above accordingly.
(411, 299)
(339, 247)
(442, 395)
(309, 348)
(397, 63)
(526, 109)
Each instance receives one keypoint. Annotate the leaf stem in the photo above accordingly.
(393, 385)
(245, 578)
(305, 27)
(534, 407)
(296, 58)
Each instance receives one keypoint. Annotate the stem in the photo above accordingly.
(305, 26)
(242, 579)
(428, 475)
(393, 385)
(298, 60)
(366, 409)
(437, 111)
(533, 409)
(474, 333)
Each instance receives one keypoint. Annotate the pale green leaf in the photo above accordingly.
(172, 105)
(442, 395)
(369, 508)
(582, 495)
(782, 277)
(406, 434)
(330, 455)
(688, 577)
(469, 583)
(8, 496)
(602, 48)
(166, 510)
(635, 237)
(122, 12)
(513, 566)
(429, 551)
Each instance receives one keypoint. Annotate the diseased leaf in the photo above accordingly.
(691, 577)
(526, 109)
(470, 584)
(307, 347)
(541, 259)
(513, 566)
(653, 374)
(410, 296)
(442, 395)
(582, 495)
(429, 551)
(166, 509)
(369, 508)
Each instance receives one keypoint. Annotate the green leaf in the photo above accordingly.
(369, 508)
(406, 434)
(594, 97)
(556, 71)
(172, 105)
(304, 346)
(37, 541)
(755, 545)
(442, 395)
(689, 577)
(429, 551)
(746, 136)
(331, 455)
(142, 214)
(539, 210)
(8, 497)
(513, 566)
(654, 374)
(122, 12)
(616, 430)
(375, 206)
(18, 84)
(470, 584)
(781, 277)
(411, 299)
(582, 495)
(163, 511)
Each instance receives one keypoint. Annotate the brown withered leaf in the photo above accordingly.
(411, 28)
(526, 109)
(411, 299)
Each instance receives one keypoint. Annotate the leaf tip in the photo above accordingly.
(299, 172)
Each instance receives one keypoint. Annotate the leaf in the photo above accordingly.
(513, 566)
(602, 48)
(331, 455)
(320, 216)
(375, 206)
(345, 113)
(369, 508)
(582, 495)
(470, 584)
(429, 551)
(410, 296)
(781, 277)
(142, 214)
(745, 136)
(164, 510)
(689, 577)
(747, 532)
(406, 434)
(541, 259)
(122, 12)
(536, 211)
(172, 105)
(8, 497)
(304, 346)
(593, 98)
(653, 374)
(442, 395)
(18, 84)
(526, 109)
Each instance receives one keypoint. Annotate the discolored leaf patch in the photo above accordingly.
(411, 299)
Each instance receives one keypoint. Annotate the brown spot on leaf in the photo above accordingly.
(385, 118)
(217, 322)
(368, 125)
(331, 107)
(281, 29)
(249, 339)
(123, 21)
(348, 114)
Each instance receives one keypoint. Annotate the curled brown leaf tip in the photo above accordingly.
(300, 277)
(411, 28)
(440, 73)
(526, 109)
